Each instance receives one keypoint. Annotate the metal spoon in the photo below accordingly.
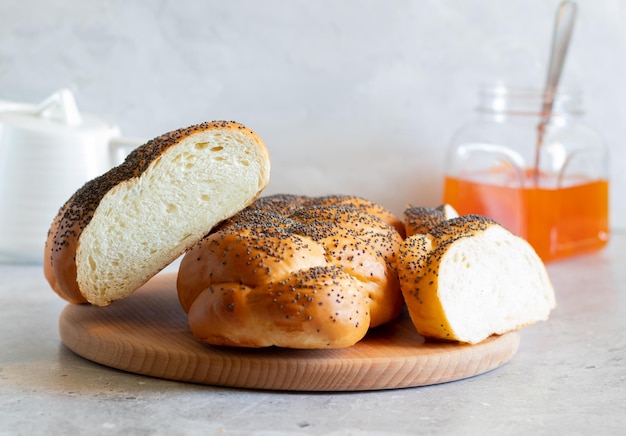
(564, 24)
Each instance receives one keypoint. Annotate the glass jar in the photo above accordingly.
(555, 195)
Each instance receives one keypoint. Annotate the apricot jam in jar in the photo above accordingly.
(555, 195)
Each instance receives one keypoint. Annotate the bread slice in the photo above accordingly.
(123, 227)
(470, 278)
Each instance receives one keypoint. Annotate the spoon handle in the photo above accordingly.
(564, 24)
(563, 27)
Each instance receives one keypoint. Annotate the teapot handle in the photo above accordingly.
(120, 147)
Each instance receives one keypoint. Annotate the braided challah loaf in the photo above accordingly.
(291, 271)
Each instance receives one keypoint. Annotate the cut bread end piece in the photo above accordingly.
(144, 223)
(421, 219)
(483, 281)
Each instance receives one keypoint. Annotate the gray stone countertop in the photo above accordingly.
(568, 377)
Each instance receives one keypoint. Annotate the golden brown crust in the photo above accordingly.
(446, 232)
(62, 240)
(285, 204)
(421, 251)
(317, 268)
(460, 227)
(421, 219)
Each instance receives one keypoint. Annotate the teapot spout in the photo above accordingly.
(12, 106)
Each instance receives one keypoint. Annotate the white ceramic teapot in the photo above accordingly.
(47, 152)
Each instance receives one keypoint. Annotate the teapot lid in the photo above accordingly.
(57, 113)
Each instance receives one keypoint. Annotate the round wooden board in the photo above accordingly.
(147, 334)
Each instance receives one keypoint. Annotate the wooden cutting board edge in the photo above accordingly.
(147, 334)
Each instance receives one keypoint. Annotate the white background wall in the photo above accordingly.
(356, 97)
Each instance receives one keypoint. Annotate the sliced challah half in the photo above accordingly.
(468, 278)
(123, 227)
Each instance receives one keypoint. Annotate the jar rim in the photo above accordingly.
(501, 97)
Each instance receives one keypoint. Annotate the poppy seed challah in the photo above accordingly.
(295, 272)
